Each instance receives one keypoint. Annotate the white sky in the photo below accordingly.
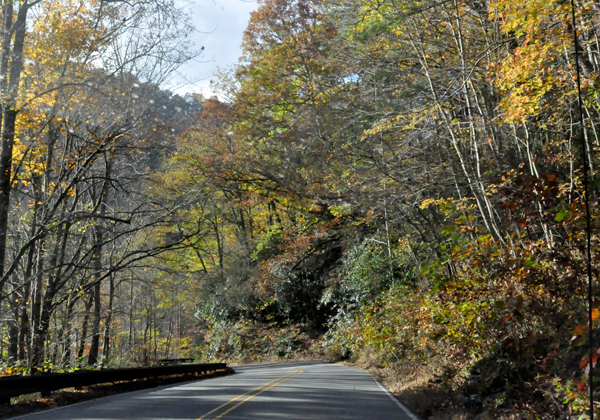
(223, 23)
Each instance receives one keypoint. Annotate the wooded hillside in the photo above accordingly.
(395, 183)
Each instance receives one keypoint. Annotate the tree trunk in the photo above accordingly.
(95, 346)
(86, 318)
(24, 329)
(9, 90)
(13, 329)
(36, 307)
(67, 332)
(106, 338)
(97, 266)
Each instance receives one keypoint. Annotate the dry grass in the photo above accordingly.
(418, 386)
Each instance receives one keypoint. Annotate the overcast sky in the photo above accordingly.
(220, 25)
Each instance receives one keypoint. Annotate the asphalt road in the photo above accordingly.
(282, 391)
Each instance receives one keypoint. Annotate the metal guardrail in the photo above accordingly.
(13, 386)
(175, 361)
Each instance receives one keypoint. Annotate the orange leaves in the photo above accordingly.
(580, 331)
(586, 359)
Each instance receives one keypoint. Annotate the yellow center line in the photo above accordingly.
(258, 393)
(249, 392)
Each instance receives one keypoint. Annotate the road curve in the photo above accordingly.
(277, 391)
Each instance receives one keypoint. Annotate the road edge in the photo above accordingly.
(404, 408)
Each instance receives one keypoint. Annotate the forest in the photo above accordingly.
(398, 185)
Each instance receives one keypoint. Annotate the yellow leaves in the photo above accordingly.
(62, 42)
(528, 17)
(425, 204)
(537, 65)
(525, 78)
(66, 29)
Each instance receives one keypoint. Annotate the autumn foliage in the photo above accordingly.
(394, 183)
(405, 181)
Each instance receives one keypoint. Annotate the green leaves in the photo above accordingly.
(561, 216)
